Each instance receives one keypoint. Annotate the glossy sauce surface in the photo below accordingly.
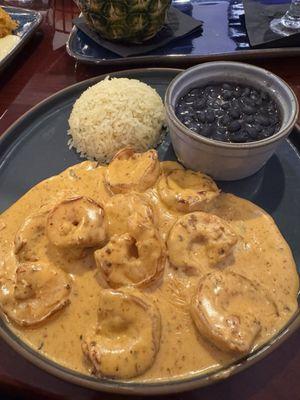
(261, 255)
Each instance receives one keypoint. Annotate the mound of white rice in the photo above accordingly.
(113, 114)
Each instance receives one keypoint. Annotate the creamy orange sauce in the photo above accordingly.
(260, 254)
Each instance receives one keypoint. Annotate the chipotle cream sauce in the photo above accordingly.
(261, 255)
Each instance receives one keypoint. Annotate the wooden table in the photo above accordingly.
(41, 69)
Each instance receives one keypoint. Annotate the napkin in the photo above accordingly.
(258, 15)
(177, 25)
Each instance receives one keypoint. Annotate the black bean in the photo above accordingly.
(213, 94)
(190, 102)
(271, 108)
(226, 106)
(185, 112)
(234, 126)
(210, 103)
(264, 121)
(226, 86)
(201, 93)
(229, 112)
(235, 103)
(252, 131)
(260, 136)
(187, 121)
(235, 113)
(222, 129)
(239, 137)
(273, 120)
(206, 130)
(219, 136)
(219, 113)
(246, 92)
(209, 89)
(210, 116)
(224, 120)
(179, 106)
(200, 103)
(217, 104)
(247, 101)
(264, 96)
(266, 132)
(201, 116)
(238, 92)
(194, 92)
(258, 102)
(193, 126)
(257, 127)
(249, 119)
(227, 95)
(248, 110)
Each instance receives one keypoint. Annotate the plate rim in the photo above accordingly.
(132, 387)
(23, 40)
(143, 387)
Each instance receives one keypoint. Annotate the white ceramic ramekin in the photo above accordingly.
(223, 160)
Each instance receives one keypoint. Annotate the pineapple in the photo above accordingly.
(125, 20)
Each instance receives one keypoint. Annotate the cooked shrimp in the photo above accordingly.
(186, 191)
(127, 337)
(198, 241)
(229, 310)
(130, 171)
(136, 259)
(168, 166)
(125, 210)
(135, 254)
(39, 291)
(31, 237)
(76, 222)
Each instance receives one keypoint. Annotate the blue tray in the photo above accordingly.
(224, 37)
(29, 21)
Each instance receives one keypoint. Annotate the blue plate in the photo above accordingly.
(35, 147)
(28, 21)
(224, 37)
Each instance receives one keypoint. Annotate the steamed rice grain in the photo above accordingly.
(113, 114)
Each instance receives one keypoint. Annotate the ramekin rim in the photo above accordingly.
(281, 134)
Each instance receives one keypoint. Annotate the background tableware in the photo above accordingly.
(224, 37)
(177, 26)
(223, 160)
(128, 21)
(42, 132)
(29, 21)
(289, 23)
(38, 5)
